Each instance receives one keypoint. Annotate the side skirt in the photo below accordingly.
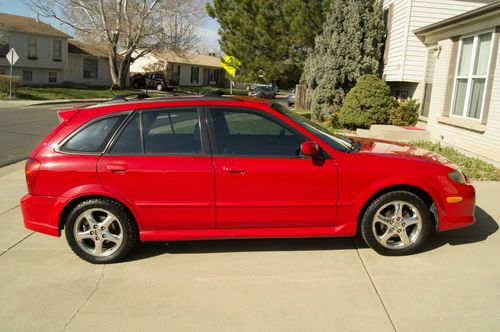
(223, 233)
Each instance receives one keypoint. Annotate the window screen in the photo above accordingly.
(94, 137)
(248, 133)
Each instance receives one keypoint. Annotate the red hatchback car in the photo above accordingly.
(219, 167)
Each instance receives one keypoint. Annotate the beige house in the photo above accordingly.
(188, 69)
(405, 56)
(48, 56)
(463, 80)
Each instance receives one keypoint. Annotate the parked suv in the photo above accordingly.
(153, 81)
(116, 173)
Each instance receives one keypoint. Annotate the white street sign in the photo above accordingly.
(12, 57)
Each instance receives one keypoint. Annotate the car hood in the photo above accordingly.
(401, 151)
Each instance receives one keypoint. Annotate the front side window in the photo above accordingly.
(94, 137)
(471, 74)
(163, 132)
(32, 47)
(56, 51)
(247, 133)
(90, 68)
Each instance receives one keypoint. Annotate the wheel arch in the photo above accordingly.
(421, 193)
(77, 200)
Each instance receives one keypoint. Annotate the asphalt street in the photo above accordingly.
(22, 128)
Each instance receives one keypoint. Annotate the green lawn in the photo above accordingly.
(35, 93)
(204, 89)
(474, 168)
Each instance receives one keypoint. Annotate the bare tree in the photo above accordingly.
(129, 29)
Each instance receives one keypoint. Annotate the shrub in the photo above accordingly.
(4, 85)
(405, 113)
(367, 103)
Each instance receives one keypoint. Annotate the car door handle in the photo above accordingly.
(117, 168)
(232, 170)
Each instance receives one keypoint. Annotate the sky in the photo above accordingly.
(208, 29)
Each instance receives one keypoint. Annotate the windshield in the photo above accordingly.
(338, 142)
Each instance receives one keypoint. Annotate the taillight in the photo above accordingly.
(31, 169)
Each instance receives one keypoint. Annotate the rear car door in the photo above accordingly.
(160, 161)
(261, 178)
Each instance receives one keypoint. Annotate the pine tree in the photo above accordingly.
(349, 47)
(270, 38)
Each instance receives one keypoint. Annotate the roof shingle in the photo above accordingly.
(30, 25)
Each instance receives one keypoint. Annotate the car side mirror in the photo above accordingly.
(310, 148)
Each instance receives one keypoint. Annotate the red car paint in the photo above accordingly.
(218, 196)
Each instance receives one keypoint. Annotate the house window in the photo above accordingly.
(90, 68)
(32, 47)
(27, 76)
(52, 77)
(4, 49)
(471, 75)
(56, 50)
(195, 74)
(213, 76)
(2, 71)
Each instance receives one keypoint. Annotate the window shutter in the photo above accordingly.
(450, 82)
(388, 27)
(491, 73)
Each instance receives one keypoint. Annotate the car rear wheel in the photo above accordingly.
(159, 87)
(100, 231)
(396, 223)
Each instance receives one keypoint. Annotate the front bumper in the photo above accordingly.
(461, 214)
(40, 214)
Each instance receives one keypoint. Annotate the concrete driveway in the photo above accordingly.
(251, 285)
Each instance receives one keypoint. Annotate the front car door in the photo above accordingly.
(161, 162)
(261, 178)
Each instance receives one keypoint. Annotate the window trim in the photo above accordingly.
(213, 138)
(205, 144)
(470, 76)
(59, 145)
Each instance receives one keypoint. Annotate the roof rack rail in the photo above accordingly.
(123, 97)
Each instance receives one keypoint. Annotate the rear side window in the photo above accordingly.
(163, 132)
(95, 136)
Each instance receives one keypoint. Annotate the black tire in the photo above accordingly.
(416, 234)
(127, 226)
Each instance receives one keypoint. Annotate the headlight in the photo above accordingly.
(457, 176)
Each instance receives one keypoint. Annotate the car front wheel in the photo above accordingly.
(100, 231)
(396, 223)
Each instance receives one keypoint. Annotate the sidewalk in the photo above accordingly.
(251, 285)
(26, 103)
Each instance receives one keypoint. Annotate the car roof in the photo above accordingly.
(158, 102)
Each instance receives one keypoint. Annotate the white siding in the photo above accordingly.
(19, 41)
(406, 57)
(74, 73)
(485, 144)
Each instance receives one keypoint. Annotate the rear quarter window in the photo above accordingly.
(93, 137)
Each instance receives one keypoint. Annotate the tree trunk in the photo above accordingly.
(113, 67)
(123, 73)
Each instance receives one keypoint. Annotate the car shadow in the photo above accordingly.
(484, 227)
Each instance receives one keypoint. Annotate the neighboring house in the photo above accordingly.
(48, 56)
(189, 69)
(87, 64)
(42, 50)
(464, 103)
(405, 56)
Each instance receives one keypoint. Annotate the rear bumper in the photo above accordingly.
(39, 214)
(461, 214)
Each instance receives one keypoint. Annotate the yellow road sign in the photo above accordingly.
(230, 64)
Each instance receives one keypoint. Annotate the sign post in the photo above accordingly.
(12, 57)
(231, 65)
